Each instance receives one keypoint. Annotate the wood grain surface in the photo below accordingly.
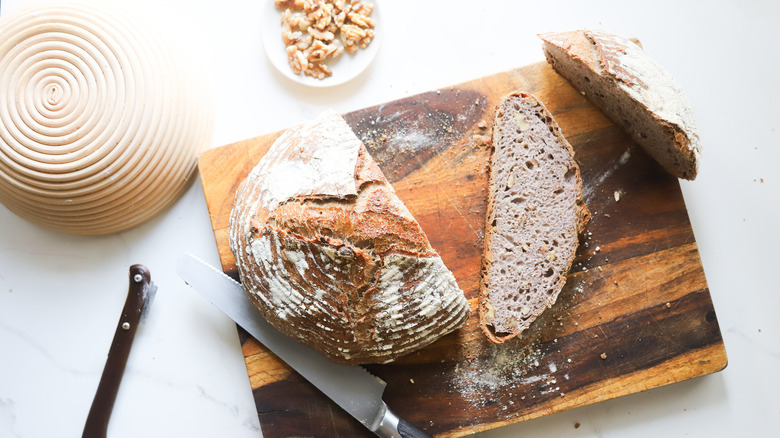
(635, 313)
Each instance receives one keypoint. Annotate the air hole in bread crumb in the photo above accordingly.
(518, 200)
(529, 164)
(548, 273)
(570, 174)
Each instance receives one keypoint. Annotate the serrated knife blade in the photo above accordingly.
(353, 388)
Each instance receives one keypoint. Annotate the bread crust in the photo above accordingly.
(632, 89)
(331, 256)
(493, 291)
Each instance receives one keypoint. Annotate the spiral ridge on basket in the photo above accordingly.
(100, 120)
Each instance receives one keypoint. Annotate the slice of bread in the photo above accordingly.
(535, 215)
(633, 90)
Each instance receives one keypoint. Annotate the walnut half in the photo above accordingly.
(317, 31)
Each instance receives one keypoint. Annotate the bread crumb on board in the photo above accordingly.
(481, 140)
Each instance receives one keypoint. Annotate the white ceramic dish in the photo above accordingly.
(346, 67)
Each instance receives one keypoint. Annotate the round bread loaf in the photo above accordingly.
(330, 256)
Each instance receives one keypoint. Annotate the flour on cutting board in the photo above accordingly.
(481, 380)
(588, 189)
(520, 373)
(407, 137)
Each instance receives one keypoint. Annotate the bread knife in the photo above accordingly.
(139, 298)
(352, 387)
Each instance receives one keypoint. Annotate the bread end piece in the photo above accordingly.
(633, 90)
(535, 215)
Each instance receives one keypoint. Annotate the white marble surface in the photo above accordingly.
(60, 295)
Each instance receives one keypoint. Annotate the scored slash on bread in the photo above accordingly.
(534, 217)
(331, 256)
(633, 90)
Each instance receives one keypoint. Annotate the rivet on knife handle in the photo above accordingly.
(139, 297)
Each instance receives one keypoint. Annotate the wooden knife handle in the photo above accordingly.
(137, 296)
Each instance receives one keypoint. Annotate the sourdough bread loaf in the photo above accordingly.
(633, 90)
(535, 214)
(331, 256)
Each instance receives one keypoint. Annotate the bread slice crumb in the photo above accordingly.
(535, 215)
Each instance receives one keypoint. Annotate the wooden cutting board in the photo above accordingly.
(635, 313)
